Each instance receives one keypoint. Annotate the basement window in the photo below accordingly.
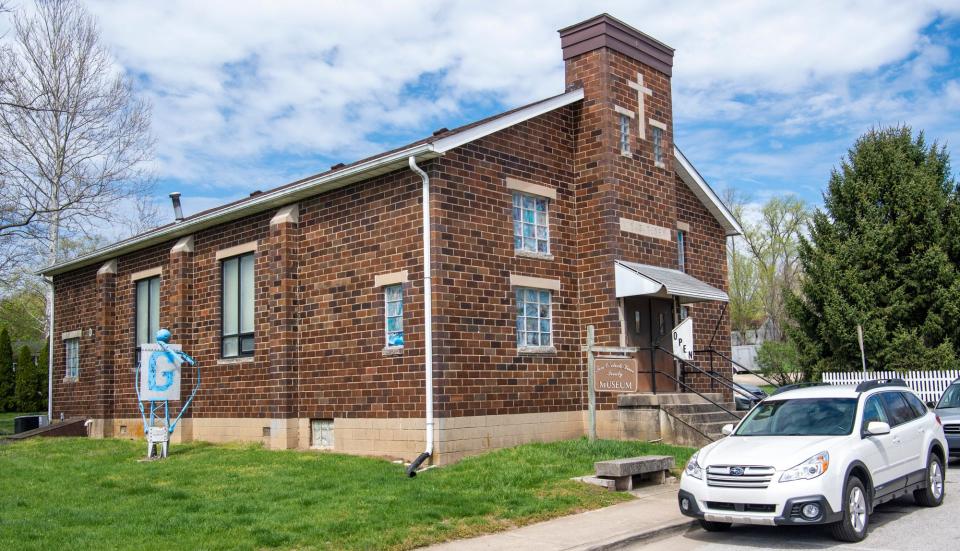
(321, 434)
(238, 298)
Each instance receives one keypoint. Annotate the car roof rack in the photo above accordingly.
(795, 386)
(878, 383)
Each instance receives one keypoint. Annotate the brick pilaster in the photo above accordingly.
(177, 313)
(104, 348)
(283, 257)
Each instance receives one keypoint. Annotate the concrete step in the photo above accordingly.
(683, 409)
(707, 417)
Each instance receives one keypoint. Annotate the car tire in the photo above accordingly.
(932, 495)
(856, 513)
(711, 526)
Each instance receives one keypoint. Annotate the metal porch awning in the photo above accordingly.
(634, 279)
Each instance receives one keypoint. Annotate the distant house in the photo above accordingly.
(305, 305)
(35, 348)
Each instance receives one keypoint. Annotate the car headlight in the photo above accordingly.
(811, 468)
(693, 468)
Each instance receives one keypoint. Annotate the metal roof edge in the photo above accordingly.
(260, 203)
(705, 193)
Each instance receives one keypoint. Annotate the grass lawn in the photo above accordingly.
(6, 421)
(76, 493)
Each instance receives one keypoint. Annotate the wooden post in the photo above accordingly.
(591, 382)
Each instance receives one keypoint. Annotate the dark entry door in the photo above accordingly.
(649, 322)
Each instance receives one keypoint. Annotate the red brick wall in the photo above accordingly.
(479, 369)
(320, 317)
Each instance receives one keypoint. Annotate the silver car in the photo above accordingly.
(948, 408)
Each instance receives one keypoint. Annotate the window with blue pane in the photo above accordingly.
(534, 318)
(530, 226)
(393, 299)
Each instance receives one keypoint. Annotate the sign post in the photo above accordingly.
(591, 385)
(158, 383)
(863, 356)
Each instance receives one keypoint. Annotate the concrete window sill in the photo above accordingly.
(234, 361)
(533, 255)
(533, 350)
(71, 379)
(393, 351)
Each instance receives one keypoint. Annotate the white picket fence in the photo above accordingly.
(928, 384)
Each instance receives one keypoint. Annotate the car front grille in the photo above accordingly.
(737, 476)
(951, 429)
(741, 507)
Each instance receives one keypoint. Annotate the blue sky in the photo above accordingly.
(767, 95)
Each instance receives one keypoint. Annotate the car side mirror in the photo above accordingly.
(876, 428)
(727, 429)
(931, 404)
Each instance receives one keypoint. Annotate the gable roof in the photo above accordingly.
(382, 163)
(388, 161)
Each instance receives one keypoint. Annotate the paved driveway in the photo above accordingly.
(896, 526)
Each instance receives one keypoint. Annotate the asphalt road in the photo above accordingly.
(896, 526)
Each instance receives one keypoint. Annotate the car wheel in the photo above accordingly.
(856, 515)
(711, 526)
(932, 495)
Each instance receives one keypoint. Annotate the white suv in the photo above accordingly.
(818, 454)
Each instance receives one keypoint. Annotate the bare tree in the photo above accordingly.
(746, 301)
(74, 137)
(774, 242)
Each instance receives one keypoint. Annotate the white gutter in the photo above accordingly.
(427, 320)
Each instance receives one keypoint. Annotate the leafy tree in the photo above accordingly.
(26, 392)
(7, 383)
(780, 362)
(746, 301)
(884, 253)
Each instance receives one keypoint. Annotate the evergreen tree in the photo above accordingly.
(41, 375)
(884, 253)
(25, 392)
(7, 384)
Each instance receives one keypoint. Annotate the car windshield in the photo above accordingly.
(950, 398)
(800, 417)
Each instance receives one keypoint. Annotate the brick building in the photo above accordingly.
(305, 305)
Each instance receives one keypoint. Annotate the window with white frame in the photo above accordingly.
(658, 144)
(624, 134)
(531, 231)
(72, 357)
(237, 335)
(393, 303)
(534, 318)
(681, 251)
(147, 311)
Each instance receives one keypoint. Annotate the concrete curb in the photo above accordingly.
(645, 535)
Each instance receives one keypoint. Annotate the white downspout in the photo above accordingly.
(50, 354)
(427, 319)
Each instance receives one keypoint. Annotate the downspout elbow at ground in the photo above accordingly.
(427, 322)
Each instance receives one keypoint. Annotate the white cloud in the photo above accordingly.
(235, 82)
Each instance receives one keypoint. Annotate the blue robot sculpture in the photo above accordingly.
(157, 382)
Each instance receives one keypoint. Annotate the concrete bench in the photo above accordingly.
(625, 474)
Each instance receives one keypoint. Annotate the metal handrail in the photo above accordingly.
(738, 364)
(729, 383)
(688, 387)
